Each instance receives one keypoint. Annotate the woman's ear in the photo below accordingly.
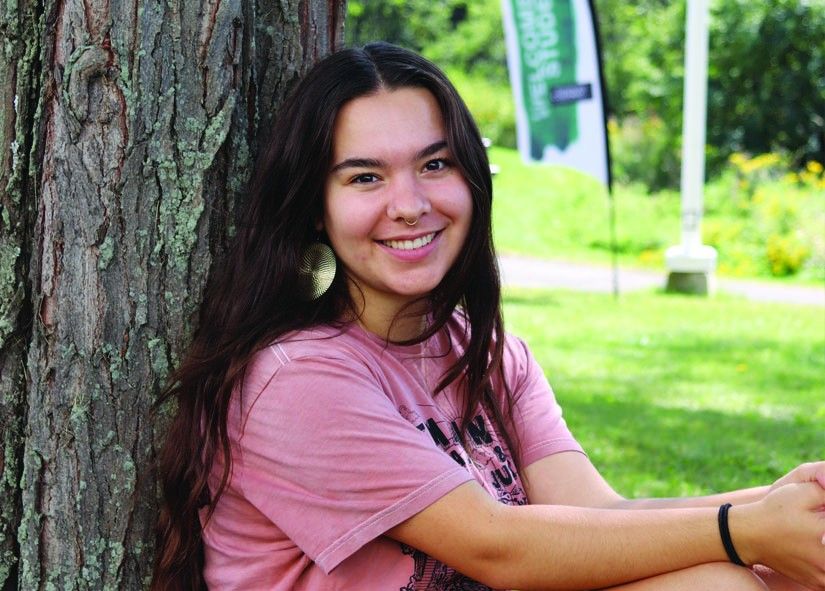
(319, 225)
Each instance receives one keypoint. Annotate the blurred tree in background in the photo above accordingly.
(643, 52)
(767, 78)
(464, 38)
(766, 74)
(456, 34)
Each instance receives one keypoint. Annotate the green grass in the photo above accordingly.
(553, 212)
(675, 395)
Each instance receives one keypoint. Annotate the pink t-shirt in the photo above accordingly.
(337, 438)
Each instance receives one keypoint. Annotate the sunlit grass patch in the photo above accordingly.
(677, 395)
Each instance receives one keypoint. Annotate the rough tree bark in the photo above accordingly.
(127, 130)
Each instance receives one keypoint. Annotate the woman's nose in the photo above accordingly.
(408, 200)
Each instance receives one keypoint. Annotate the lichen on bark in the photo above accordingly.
(18, 85)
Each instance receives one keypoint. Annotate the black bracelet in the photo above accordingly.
(724, 531)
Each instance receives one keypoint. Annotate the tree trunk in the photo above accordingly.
(127, 131)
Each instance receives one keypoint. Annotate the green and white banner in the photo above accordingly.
(555, 70)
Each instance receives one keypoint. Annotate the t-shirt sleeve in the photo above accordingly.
(537, 416)
(326, 456)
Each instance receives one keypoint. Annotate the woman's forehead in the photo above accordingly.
(386, 122)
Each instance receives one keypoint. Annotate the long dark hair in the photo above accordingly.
(252, 299)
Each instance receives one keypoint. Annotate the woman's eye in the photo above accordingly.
(437, 164)
(364, 179)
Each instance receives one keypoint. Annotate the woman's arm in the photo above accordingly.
(557, 547)
(570, 479)
(564, 547)
(579, 533)
(810, 472)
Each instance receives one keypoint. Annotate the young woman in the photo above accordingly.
(374, 427)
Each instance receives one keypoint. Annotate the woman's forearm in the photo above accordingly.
(556, 547)
(737, 497)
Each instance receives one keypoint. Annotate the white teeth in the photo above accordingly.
(410, 244)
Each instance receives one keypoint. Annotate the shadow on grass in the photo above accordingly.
(525, 297)
(647, 450)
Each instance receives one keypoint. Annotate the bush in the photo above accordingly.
(765, 220)
(785, 254)
(492, 107)
(644, 150)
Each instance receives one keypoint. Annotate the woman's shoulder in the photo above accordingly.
(312, 342)
(343, 343)
(303, 358)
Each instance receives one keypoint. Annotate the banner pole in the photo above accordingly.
(611, 201)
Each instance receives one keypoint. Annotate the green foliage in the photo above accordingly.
(643, 150)
(409, 24)
(674, 395)
(455, 34)
(643, 47)
(765, 220)
(785, 254)
(767, 79)
(491, 105)
(475, 46)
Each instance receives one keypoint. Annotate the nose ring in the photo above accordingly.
(411, 223)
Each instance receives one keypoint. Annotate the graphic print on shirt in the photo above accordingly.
(486, 458)
(491, 466)
(431, 575)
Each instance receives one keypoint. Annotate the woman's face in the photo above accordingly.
(396, 209)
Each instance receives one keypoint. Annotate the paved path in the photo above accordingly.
(518, 271)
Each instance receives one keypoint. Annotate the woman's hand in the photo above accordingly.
(785, 531)
(810, 472)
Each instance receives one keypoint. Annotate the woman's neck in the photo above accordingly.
(394, 330)
(389, 319)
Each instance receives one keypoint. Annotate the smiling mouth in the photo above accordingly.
(410, 244)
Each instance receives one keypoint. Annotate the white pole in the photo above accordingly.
(691, 264)
(694, 122)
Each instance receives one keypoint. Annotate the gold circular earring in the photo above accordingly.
(316, 270)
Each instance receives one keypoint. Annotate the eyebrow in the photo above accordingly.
(433, 148)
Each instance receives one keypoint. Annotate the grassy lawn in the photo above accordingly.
(675, 395)
(553, 212)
